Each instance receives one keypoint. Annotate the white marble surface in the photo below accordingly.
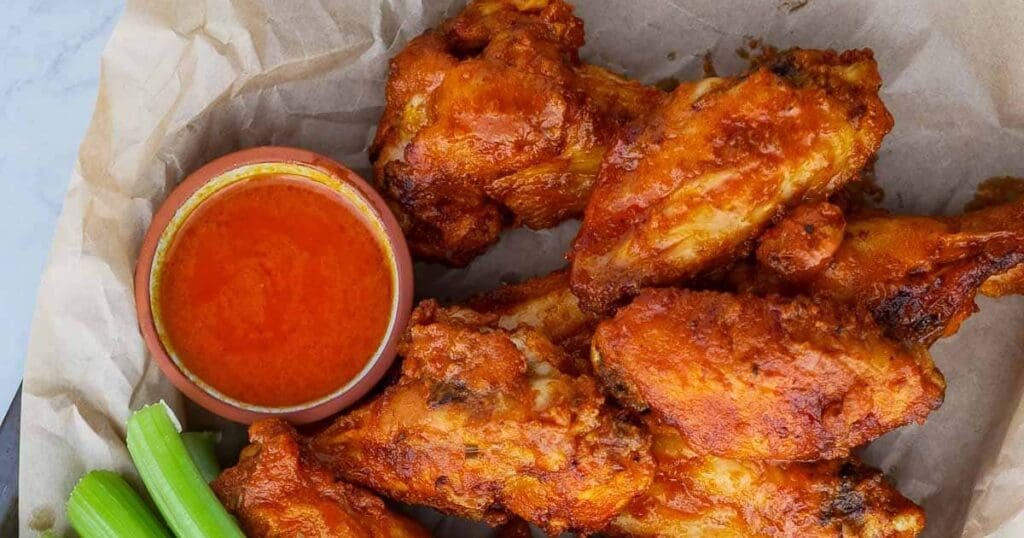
(49, 69)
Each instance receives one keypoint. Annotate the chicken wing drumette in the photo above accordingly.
(753, 378)
(917, 275)
(482, 424)
(491, 119)
(705, 173)
(279, 489)
(708, 497)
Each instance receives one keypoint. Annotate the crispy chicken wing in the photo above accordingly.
(754, 378)
(278, 489)
(917, 275)
(709, 497)
(547, 305)
(803, 243)
(481, 424)
(716, 162)
(491, 119)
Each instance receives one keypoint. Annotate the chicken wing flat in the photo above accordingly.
(751, 378)
(716, 162)
(709, 497)
(481, 424)
(547, 305)
(491, 119)
(278, 489)
(917, 275)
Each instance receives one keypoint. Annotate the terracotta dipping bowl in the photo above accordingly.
(242, 166)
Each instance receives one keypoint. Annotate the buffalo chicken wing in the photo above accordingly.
(709, 497)
(547, 305)
(482, 424)
(491, 119)
(704, 174)
(278, 489)
(917, 275)
(753, 378)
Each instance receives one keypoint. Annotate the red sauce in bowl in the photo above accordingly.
(275, 292)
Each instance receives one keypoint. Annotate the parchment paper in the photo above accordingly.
(184, 81)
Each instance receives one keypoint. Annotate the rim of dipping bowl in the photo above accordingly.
(238, 167)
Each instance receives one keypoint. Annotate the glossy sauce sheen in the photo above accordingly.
(275, 292)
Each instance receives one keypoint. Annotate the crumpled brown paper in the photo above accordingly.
(184, 81)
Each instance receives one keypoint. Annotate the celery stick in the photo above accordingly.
(172, 479)
(200, 446)
(103, 505)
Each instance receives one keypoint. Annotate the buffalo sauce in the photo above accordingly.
(275, 292)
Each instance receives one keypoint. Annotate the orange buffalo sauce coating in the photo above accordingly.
(275, 292)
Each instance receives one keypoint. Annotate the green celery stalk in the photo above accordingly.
(103, 505)
(200, 446)
(173, 480)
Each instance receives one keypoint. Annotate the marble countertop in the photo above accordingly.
(49, 68)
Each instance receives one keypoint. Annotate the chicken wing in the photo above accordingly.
(278, 489)
(917, 275)
(716, 162)
(490, 120)
(547, 305)
(804, 242)
(753, 378)
(709, 497)
(481, 424)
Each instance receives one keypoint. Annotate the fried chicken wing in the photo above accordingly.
(481, 424)
(547, 305)
(711, 497)
(278, 489)
(491, 119)
(712, 166)
(917, 275)
(803, 243)
(753, 378)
